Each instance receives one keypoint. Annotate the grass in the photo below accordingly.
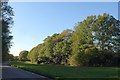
(70, 72)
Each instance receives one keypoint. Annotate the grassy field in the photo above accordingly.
(60, 72)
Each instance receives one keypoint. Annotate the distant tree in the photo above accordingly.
(31, 55)
(23, 55)
(42, 57)
(11, 57)
(7, 21)
(16, 58)
(34, 53)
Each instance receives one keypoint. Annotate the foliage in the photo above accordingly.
(11, 57)
(33, 54)
(94, 42)
(7, 21)
(23, 55)
(15, 58)
(106, 31)
(103, 32)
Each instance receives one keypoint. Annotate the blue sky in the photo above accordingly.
(34, 21)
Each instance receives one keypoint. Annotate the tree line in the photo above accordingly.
(94, 42)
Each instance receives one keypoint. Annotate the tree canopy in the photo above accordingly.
(7, 21)
(23, 55)
(94, 41)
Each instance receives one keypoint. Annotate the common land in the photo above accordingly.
(62, 72)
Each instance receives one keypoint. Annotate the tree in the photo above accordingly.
(15, 58)
(106, 32)
(81, 38)
(94, 42)
(50, 42)
(7, 21)
(42, 57)
(31, 54)
(23, 55)
(85, 56)
(11, 57)
(62, 49)
(34, 53)
(56, 48)
(102, 32)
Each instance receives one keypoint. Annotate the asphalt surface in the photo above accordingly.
(12, 73)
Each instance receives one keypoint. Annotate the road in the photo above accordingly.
(12, 73)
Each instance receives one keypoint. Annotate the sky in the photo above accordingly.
(34, 21)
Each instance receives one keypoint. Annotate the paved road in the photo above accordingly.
(12, 73)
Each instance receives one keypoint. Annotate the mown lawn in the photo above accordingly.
(70, 72)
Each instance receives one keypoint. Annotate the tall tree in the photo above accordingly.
(82, 38)
(62, 49)
(7, 22)
(103, 32)
(106, 32)
(50, 42)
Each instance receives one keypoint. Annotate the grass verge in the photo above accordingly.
(60, 72)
